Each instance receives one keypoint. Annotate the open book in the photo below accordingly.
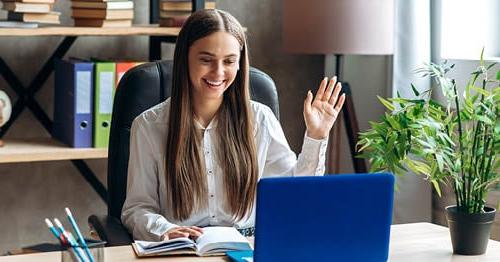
(214, 241)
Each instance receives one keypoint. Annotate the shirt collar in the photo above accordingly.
(211, 125)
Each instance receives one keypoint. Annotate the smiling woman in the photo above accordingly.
(195, 159)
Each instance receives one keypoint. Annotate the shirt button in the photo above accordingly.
(213, 216)
(210, 172)
(207, 152)
(211, 195)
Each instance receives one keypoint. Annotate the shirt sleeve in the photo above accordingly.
(282, 161)
(141, 210)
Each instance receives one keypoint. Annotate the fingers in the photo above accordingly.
(192, 232)
(335, 110)
(321, 89)
(189, 232)
(177, 232)
(329, 89)
(340, 103)
(333, 98)
(199, 229)
(307, 102)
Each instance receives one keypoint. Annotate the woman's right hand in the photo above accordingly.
(190, 232)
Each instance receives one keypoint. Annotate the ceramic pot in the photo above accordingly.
(469, 232)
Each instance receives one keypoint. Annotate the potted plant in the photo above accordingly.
(455, 144)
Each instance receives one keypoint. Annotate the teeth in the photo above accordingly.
(214, 83)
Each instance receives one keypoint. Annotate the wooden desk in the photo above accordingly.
(409, 242)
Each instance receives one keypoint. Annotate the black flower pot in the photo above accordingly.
(469, 232)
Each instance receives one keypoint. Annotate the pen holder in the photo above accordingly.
(70, 254)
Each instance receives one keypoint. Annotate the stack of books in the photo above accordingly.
(173, 13)
(103, 13)
(29, 13)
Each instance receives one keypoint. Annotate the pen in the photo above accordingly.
(54, 231)
(70, 239)
(79, 234)
(59, 236)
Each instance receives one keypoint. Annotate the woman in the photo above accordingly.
(195, 159)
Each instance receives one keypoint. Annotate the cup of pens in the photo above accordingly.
(77, 248)
(70, 253)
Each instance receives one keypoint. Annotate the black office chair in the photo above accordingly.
(141, 88)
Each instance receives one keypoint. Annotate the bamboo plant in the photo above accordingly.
(455, 143)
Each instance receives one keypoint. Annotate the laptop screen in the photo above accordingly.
(330, 218)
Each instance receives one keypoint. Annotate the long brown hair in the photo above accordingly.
(236, 153)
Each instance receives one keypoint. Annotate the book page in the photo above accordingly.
(220, 240)
(145, 248)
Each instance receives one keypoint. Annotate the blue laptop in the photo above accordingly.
(330, 218)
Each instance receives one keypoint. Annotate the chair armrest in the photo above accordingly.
(110, 229)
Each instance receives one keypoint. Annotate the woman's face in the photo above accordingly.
(213, 64)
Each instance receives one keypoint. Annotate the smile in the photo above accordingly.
(214, 83)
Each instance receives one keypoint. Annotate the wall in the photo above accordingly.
(29, 192)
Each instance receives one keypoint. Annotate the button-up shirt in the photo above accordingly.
(147, 213)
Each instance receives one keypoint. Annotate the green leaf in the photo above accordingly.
(390, 143)
(415, 91)
(476, 75)
(386, 103)
(418, 167)
(498, 75)
(394, 123)
(481, 91)
(481, 60)
(364, 144)
(491, 65)
(485, 119)
(440, 162)
(436, 186)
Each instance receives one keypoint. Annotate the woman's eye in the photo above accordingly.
(229, 62)
(205, 60)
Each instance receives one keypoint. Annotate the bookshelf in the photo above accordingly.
(147, 30)
(45, 149)
(48, 149)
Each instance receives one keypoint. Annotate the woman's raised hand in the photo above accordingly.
(321, 111)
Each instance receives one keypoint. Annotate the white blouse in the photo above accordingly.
(146, 212)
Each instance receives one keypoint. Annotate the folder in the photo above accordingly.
(73, 102)
(103, 102)
(121, 69)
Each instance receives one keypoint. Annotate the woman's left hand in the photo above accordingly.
(321, 111)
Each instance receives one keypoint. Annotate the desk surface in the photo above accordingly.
(409, 242)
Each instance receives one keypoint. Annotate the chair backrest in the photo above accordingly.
(141, 88)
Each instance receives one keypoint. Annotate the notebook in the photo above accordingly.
(240, 256)
(330, 218)
(214, 241)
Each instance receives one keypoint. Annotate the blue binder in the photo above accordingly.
(73, 102)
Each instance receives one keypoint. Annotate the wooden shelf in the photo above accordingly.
(152, 30)
(45, 149)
